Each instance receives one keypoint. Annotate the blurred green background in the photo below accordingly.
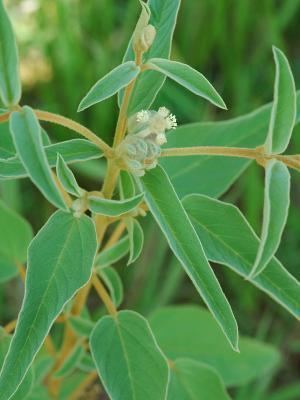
(66, 45)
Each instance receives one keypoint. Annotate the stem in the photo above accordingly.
(4, 117)
(10, 326)
(104, 296)
(115, 236)
(212, 150)
(76, 127)
(84, 384)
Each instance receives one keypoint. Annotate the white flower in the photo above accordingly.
(161, 139)
(142, 116)
(164, 112)
(171, 122)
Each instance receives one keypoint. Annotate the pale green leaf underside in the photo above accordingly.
(10, 85)
(195, 174)
(60, 260)
(26, 133)
(114, 208)
(113, 283)
(189, 78)
(190, 331)
(163, 18)
(276, 207)
(284, 108)
(67, 178)
(192, 380)
(229, 240)
(110, 84)
(113, 254)
(136, 239)
(128, 359)
(185, 244)
(75, 150)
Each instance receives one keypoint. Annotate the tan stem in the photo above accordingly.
(84, 384)
(104, 296)
(211, 150)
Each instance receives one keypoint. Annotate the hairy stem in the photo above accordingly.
(212, 150)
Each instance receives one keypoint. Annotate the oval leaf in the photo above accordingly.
(67, 178)
(110, 84)
(10, 85)
(189, 78)
(125, 343)
(26, 133)
(284, 108)
(113, 208)
(276, 206)
(192, 380)
(228, 239)
(174, 222)
(60, 260)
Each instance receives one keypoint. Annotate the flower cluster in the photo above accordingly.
(146, 133)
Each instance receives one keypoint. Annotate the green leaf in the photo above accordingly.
(26, 133)
(113, 283)
(190, 332)
(136, 239)
(110, 84)
(70, 363)
(163, 18)
(16, 234)
(75, 150)
(114, 208)
(125, 343)
(191, 380)
(10, 85)
(185, 244)
(276, 207)
(67, 178)
(81, 326)
(126, 185)
(113, 254)
(212, 175)
(228, 239)
(284, 108)
(187, 77)
(25, 388)
(87, 363)
(60, 260)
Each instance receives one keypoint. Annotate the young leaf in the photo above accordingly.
(110, 84)
(228, 239)
(127, 186)
(136, 239)
(284, 108)
(125, 343)
(174, 222)
(74, 150)
(70, 363)
(10, 85)
(113, 254)
(189, 331)
(194, 380)
(113, 283)
(16, 234)
(114, 208)
(276, 206)
(195, 174)
(60, 260)
(163, 18)
(26, 133)
(67, 178)
(187, 77)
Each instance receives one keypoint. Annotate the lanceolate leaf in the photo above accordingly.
(113, 283)
(163, 18)
(284, 108)
(26, 133)
(110, 84)
(10, 85)
(228, 239)
(125, 344)
(191, 380)
(75, 150)
(67, 178)
(113, 254)
(189, 78)
(114, 208)
(185, 244)
(276, 206)
(60, 261)
(195, 174)
(136, 239)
